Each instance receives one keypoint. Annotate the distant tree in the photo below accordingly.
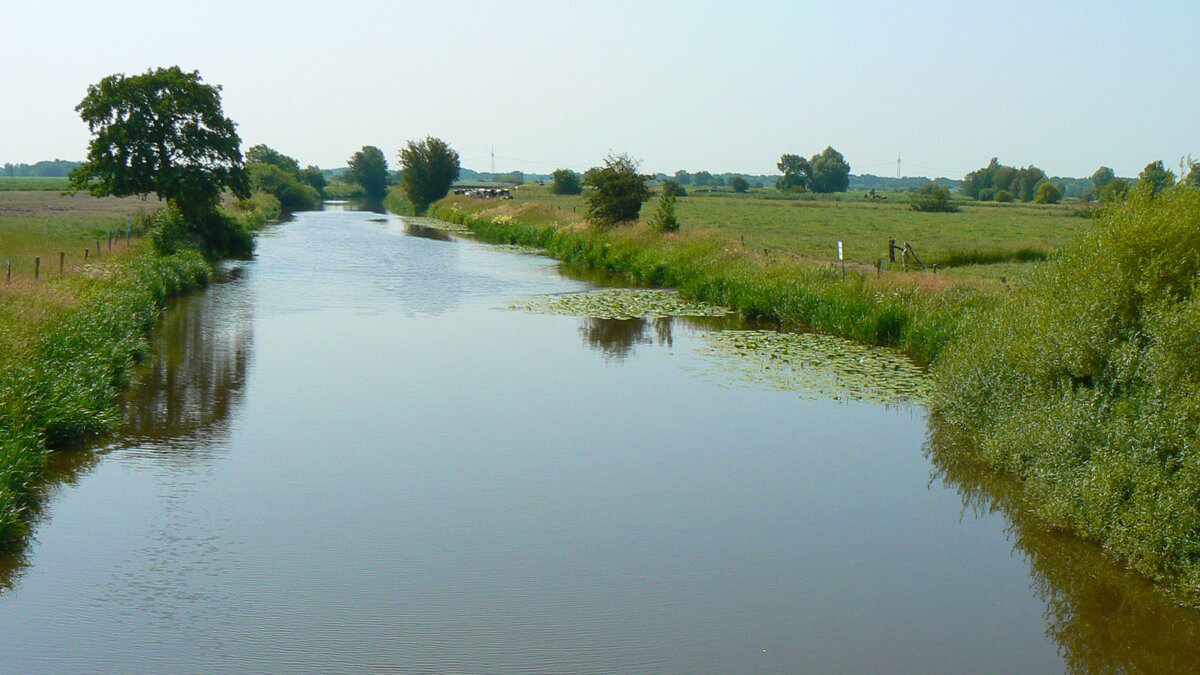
(512, 178)
(830, 171)
(739, 184)
(975, 182)
(1026, 182)
(1103, 176)
(1156, 177)
(703, 179)
(266, 155)
(1047, 193)
(429, 168)
(683, 178)
(797, 173)
(315, 177)
(664, 217)
(1004, 178)
(291, 193)
(932, 198)
(674, 188)
(989, 194)
(618, 191)
(164, 132)
(1114, 191)
(368, 168)
(566, 182)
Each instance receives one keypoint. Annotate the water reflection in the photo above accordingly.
(1104, 618)
(183, 404)
(615, 338)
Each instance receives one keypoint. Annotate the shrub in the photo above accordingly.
(1047, 193)
(674, 188)
(664, 218)
(931, 197)
(739, 184)
(566, 182)
(1003, 196)
(618, 191)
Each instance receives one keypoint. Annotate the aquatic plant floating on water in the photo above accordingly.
(620, 303)
(818, 366)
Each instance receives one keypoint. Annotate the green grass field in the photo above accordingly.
(810, 226)
(20, 183)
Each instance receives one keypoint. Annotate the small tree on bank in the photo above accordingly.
(428, 168)
(739, 184)
(618, 191)
(664, 217)
(164, 132)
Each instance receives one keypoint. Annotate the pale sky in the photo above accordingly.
(718, 86)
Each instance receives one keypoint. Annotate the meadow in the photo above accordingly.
(809, 226)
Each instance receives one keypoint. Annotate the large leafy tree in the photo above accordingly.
(164, 132)
(797, 173)
(368, 168)
(427, 170)
(1156, 176)
(618, 190)
(566, 182)
(830, 171)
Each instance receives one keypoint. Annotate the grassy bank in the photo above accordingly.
(1087, 387)
(915, 312)
(69, 339)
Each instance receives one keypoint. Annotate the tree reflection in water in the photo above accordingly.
(616, 338)
(183, 403)
(1104, 618)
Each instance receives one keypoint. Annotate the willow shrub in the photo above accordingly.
(1087, 386)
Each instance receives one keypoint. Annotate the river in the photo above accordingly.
(348, 455)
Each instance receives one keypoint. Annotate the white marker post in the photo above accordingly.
(842, 259)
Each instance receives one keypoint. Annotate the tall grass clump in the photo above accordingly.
(1087, 386)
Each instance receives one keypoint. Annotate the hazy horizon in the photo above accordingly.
(696, 86)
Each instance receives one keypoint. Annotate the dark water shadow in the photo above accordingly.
(1103, 617)
(182, 405)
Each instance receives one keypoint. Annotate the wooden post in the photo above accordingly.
(9, 272)
(891, 249)
(97, 248)
(86, 251)
(110, 240)
(743, 241)
(37, 266)
(62, 256)
(879, 267)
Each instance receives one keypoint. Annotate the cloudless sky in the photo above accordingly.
(721, 86)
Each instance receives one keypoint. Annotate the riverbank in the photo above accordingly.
(71, 336)
(1083, 385)
(915, 312)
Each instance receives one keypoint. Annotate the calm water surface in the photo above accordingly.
(349, 457)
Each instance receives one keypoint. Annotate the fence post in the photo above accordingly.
(891, 249)
(86, 251)
(37, 266)
(9, 272)
(97, 248)
(62, 256)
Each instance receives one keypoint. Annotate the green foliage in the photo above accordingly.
(1114, 191)
(163, 132)
(664, 218)
(261, 154)
(1003, 196)
(1156, 177)
(830, 171)
(675, 189)
(740, 184)
(1047, 193)
(618, 191)
(566, 182)
(932, 198)
(315, 178)
(368, 168)
(284, 185)
(1086, 386)
(683, 177)
(1020, 183)
(1192, 177)
(797, 173)
(1103, 176)
(429, 168)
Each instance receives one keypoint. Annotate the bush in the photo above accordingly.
(664, 218)
(618, 191)
(739, 184)
(1003, 196)
(566, 182)
(987, 194)
(675, 189)
(931, 197)
(1087, 386)
(1047, 193)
